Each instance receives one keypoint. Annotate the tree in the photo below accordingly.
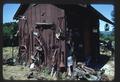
(8, 30)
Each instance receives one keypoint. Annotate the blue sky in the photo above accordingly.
(10, 9)
(8, 12)
(106, 10)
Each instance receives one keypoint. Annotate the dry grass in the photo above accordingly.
(109, 69)
(15, 72)
(19, 72)
(7, 52)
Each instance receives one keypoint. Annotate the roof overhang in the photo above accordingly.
(20, 11)
(23, 8)
(101, 1)
(100, 16)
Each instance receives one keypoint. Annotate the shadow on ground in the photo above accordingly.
(99, 63)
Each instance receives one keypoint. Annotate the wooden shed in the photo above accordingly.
(58, 30)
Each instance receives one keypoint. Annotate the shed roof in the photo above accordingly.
(23, 8)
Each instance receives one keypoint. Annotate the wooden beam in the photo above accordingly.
(102, 1)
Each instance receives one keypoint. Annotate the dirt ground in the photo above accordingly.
(109, 69)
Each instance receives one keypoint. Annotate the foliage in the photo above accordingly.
(107, 37)
(10, 29)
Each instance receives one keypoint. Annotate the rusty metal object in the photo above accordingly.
(62, 62)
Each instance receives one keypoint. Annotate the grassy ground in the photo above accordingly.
(15, 72)
(19, 72)
(7, 52)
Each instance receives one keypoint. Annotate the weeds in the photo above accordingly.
(7, 52)
(11, 78)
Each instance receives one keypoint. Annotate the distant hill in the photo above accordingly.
(106, 32)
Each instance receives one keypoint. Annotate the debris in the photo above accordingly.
(70, 65)
(85, 68)
(78, 73)
(11, 78)
(32, 57)
(109, 69)
(52, 71)
(91, 77)
(54, 65)
(4, 61)
(83, 72)
(30, 75)
(104, 78)
(54, 75)
(32, 66)
(41, 78)
(10, 61)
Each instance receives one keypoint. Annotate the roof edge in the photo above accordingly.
(20, 10)
(23, 8)
(101, 16)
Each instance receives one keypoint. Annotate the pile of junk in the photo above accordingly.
(79, 71)
(73, 69)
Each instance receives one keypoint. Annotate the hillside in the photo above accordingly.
(106, 32)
